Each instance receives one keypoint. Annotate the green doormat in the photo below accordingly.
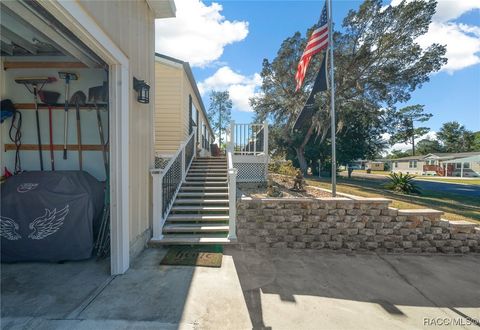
(205, 256)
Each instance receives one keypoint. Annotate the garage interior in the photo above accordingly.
(54, 160)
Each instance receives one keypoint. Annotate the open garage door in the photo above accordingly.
(55, 140)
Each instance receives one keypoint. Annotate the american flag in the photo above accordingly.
(317, 42)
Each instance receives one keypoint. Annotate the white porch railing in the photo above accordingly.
(167, 182)
(232, 197)
(248, 144)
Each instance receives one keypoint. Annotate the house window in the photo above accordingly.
(193, 115)
(396, 164)
(466, 165)
(458, 165)
(412, 164)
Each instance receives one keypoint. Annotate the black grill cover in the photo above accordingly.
(49, 216)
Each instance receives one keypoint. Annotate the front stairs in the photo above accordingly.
(199, 214)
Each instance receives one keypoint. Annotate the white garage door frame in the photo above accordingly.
(78, 21)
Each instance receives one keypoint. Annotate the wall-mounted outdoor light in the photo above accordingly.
(143, 90)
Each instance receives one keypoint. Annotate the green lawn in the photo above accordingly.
(456, 207)
(451, 180)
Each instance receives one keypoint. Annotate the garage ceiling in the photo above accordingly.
(27, 29)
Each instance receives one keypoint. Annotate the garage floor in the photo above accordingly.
(273, 289)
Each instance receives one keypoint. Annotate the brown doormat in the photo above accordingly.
(204, 256)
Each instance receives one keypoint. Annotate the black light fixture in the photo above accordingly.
(143, 90)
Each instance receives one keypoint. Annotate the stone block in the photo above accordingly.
(352, 231)
(306, 238)
(279, 245)
(317, 245)
(407, 244)
(281, 232)
(298, 231)
(447, 249)
(413, 250)
(314, 231)
(271, 239)
(334, 245)
(297, 245)
(455, 243)
(324, 238)
(352, 245)
(385, 231)
(371, 245)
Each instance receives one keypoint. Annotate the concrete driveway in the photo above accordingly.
(269, 289)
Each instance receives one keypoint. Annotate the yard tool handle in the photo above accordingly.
(65, 120)
(102, 139)
(39, 139)
(52, 158)
(79, 137)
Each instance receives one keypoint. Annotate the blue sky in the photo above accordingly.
(229, 40)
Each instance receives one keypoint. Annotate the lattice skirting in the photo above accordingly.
(251, 172)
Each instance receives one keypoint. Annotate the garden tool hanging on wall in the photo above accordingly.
(67, 76)
(50, 99)
(34, 85)
(79, 98)
(95, 95)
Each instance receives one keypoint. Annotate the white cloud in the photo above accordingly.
(198, 33)
(462, 40)
(406, 146)
(240, 87)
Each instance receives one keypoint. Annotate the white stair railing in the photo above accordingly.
(248, 144)
(167, 182)
(232, 196)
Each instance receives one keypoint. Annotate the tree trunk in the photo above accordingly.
(413, 145)
(301, 159)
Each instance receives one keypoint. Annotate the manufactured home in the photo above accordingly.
(463, 164)
(179, 109)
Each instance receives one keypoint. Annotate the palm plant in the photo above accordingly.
(402, 183)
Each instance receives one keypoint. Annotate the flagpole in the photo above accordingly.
(332, 100)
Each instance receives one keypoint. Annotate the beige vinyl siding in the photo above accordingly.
(130, 25)
(168, 115)
(404, 167)
(172, 108)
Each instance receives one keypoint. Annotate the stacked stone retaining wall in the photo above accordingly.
(350, 224)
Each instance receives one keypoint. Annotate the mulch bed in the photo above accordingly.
(284, 183)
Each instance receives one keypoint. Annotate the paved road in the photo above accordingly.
(461, 189)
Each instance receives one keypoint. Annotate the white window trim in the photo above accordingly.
(74, 17)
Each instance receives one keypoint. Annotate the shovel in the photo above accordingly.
(79, 98)
(50, 98)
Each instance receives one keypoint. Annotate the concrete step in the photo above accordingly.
(195, 228)
(197, 218)
(205, 178)
(181, 208)
(190, 240)
(200, 201)
(203, 188)
(202, 194)
(205, 183)
(206, 173)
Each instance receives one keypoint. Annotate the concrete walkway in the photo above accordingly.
(272, 289)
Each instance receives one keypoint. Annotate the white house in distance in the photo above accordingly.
(463, 164)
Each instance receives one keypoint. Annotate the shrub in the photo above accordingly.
(402, 183)
(282, 167)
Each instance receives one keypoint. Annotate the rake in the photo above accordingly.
(32, 85)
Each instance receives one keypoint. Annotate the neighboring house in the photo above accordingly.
(375, 166)
(465, 164)
(178, 108)
(110, 41)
